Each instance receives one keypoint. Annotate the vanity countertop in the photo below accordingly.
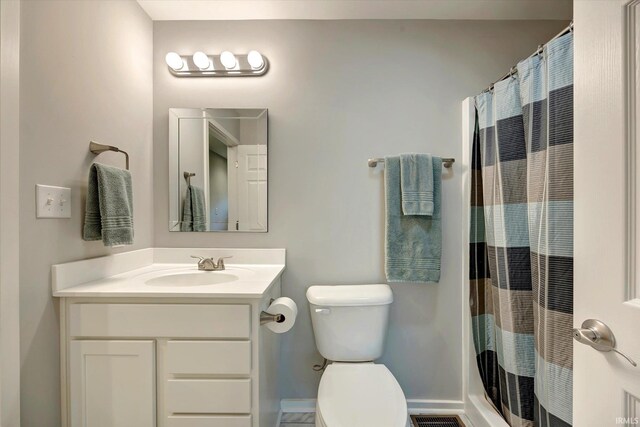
(146, 273)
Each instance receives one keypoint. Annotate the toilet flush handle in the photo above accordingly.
(323, 311)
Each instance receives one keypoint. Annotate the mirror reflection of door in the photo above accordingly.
(218, 169)
(252, 187)
(219, 147)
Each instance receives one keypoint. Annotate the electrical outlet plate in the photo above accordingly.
(53, 202)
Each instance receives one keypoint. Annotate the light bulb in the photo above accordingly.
(255, 60)
(228, 59)
(201, 60)
(174, 61)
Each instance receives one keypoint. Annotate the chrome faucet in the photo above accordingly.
(208, 264)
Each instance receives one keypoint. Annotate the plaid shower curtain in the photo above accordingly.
(521, 271)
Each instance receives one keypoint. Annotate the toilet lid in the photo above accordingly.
(361, 394)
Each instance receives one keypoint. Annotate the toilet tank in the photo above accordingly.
(350, 322)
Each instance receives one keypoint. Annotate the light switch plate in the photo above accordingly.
(53, 202)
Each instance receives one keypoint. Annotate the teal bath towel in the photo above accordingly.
(194, 211)
(416, 174)
(109, 213)
(413, 245)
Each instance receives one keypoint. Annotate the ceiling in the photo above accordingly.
(173, 10)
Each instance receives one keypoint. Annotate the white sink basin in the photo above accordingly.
(196, 278)
(170, 273)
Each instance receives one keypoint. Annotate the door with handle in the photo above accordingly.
(606, 382)
(252, 187)
(600, 337)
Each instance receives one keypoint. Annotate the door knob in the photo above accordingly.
(599, 336)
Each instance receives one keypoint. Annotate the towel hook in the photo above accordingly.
(187, 176)
(97, 148)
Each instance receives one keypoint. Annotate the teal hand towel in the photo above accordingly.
(413, 244)
(416, 174)
(194, 210)
(109, 213)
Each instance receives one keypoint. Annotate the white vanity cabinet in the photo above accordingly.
(148, 340)
(177, 363)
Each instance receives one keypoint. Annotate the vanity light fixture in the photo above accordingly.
(202, 61)
(227, 64)
(229, 60)
(174, 61)
(255, 60)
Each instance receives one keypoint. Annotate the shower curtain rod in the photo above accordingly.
(539, 50)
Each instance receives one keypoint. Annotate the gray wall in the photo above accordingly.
(339, 92)
(85, 74)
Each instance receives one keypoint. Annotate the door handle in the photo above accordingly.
(599, 336)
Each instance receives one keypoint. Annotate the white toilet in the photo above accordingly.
(350, 325)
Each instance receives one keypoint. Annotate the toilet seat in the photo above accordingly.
(360, 395)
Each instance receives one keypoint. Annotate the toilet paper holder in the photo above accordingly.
(268, 317)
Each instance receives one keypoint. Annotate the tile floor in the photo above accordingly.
(298, 419)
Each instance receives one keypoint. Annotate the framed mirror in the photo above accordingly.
(218, 161)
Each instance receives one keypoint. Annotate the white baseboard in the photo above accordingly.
(415, 406)
(298, 405)
(427, 406)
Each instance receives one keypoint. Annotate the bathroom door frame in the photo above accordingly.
(9, 213)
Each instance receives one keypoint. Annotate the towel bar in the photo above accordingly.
(447, 162)
(97, 148)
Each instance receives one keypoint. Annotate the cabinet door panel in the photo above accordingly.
(112, 383)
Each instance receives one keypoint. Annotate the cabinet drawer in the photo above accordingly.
(160, 320)
(210, 421)
(209, 357)
(208, 396)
